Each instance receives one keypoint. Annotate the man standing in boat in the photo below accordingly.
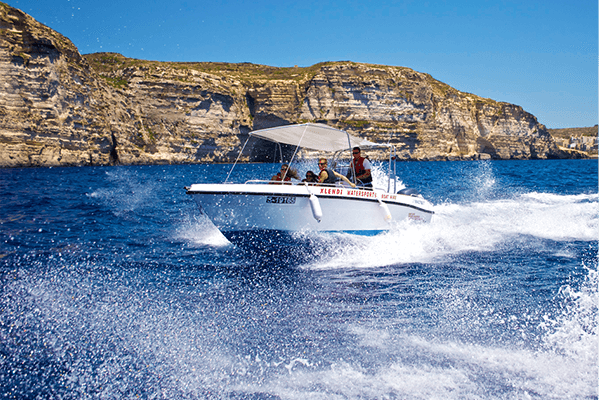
(328, 176)
(360, 168)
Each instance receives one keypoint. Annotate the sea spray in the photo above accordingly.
(104, 296)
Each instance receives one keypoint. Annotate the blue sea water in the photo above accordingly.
(115, 286)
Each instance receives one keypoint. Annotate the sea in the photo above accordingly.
(113, 285)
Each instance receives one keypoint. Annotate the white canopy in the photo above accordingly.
(312, 136)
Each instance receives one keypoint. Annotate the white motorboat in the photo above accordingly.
(260, 206)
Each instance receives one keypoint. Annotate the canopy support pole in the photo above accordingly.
(237, 159)
(296, 147)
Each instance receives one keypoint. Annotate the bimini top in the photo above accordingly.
(312, 136)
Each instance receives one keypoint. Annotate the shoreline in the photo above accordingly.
(260, 163)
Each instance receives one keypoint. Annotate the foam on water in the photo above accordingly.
(507, 373)
(574, 332)
(418, 367)
(457, 228)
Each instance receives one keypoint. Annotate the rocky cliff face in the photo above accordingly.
(59, 108)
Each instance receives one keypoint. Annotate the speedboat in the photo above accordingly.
(254, 206)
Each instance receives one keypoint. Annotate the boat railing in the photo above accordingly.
(258, 181)
(339, 184)
(269, 182)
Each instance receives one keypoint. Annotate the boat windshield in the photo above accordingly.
(342, 159)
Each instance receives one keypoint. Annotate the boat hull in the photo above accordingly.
(235, 208)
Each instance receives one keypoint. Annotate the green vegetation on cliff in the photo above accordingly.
(566, 133)
(110, 62)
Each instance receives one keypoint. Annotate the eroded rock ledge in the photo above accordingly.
(60, 108)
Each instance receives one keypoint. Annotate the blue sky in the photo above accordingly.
(541, 55)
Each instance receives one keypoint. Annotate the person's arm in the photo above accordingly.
(322, 176)
(366, 174)
(292, 173)
(350, 170)
(275, 180)
(344, 179)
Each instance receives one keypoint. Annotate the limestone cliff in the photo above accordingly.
(59, 108)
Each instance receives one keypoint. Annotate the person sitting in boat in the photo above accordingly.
(310, 177)
(328, 176)
(284, 176)
(360, 168)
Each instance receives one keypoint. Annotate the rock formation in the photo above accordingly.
(60, 108)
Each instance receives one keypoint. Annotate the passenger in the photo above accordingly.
(361, 168)
(310, 177)
(285, 175)
(328, 176)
